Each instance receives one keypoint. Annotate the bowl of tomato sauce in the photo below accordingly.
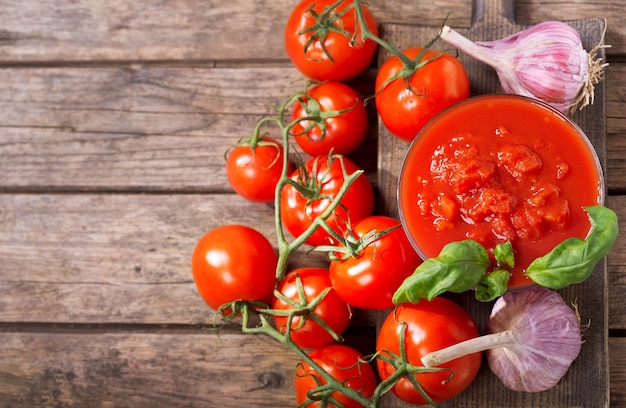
(495, 169)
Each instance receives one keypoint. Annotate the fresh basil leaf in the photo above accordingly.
(504, 255)
(573, 260)
(492, 285)
(458, 267)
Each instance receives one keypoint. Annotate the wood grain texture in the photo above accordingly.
(114, 120)
(187, 369)
(183, 30)
(137, 127)
(113, 258)
(97, 368)
(164, 128)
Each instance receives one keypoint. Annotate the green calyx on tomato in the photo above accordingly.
(254, 167)
(322, 197)
(463, 265)
(411, 331)
(347, 366)
(374, 259)
(414, 86)
(328, 39)
(329, 117)
(307, 309)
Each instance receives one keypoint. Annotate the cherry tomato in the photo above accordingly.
(324, 181)
(331, 309)
(326, 54)
(233, 262)
(346, 365)
(433, 87)
(429, 326)
(369, 279)
(254, 170)
(342, 133)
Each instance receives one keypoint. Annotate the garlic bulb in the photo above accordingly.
(546, 61)
(533, 339)
(547, 339)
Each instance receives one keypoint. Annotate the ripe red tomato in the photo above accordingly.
(309, 49)
(332, 310)
(433, 87)
(369, 280)
(324, 181)
(342, 133)
(253, 171)
(233, 262)
(343, 363)
(429, 326)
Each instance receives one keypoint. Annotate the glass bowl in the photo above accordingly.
(497, 168)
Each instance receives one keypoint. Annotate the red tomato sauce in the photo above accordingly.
(499, 168)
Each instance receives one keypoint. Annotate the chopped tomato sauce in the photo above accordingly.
(496, 169)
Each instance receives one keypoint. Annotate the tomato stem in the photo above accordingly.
(366, 34)
(267, 328)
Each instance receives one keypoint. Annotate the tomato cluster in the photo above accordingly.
(323, 199)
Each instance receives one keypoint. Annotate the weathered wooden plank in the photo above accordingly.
(617, 268)
(173, 369)
(113, 258)
(137, 127)
(97, 258)
(167, 128)
(616, 127)
(617, 355)
(92, 30)
(135, 369)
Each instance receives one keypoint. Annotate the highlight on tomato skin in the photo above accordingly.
(425, 327)
(234, 262)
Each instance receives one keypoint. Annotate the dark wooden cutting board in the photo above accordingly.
(587, 382)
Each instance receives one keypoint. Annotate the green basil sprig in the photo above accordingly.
(463, 265)
(458, 268)
(573, 260)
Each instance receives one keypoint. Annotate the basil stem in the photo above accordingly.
(458, 268)
(573, 260)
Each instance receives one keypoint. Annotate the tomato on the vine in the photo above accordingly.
(298, 289)
(343, 363)
(426, 327)
(382, 262)
(234, 262)
(343, 132)
(322, 179)
(406, 106)
(254, 168)
(326, 44)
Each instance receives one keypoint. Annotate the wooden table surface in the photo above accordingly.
(114, 120)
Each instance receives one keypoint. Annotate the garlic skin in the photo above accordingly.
(548, 339)
(546, 61)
